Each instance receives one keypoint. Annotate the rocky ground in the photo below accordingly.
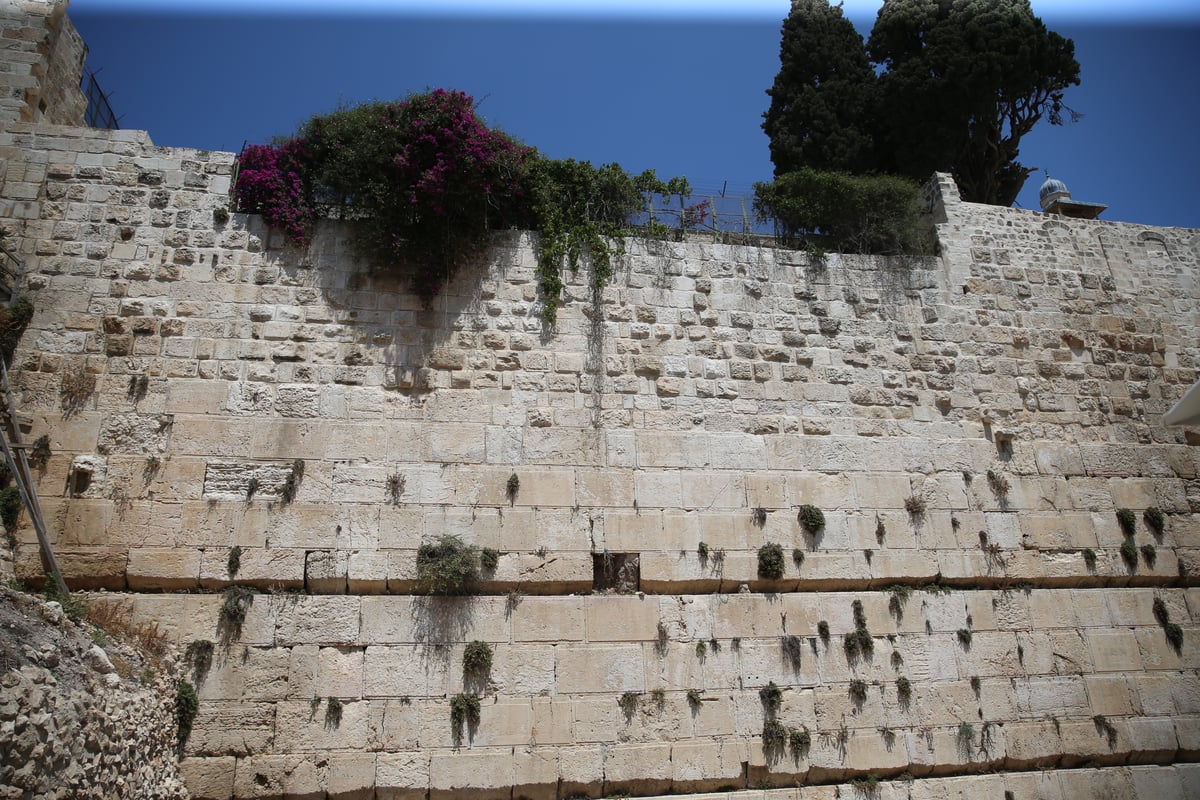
(86, 710)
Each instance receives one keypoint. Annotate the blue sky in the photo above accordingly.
(675, 86)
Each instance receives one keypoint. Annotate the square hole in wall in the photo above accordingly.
(616, 572)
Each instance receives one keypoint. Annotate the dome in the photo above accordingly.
(1052, 190)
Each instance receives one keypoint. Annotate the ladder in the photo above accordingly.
(18, 465)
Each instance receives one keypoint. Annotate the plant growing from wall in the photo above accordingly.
(252, 486)
(799, 742)
(447, 566)
(1089, 558)
(1155, 520)
(628, 701)
(489, 559)
(793, 649)
(1107, 728)
(775, 736)
(1129, 553)
(823, 631)
(477, 659)
(798, 557)
(694, 699)
(998, 484)
(1149, 555)
(701, 650)
(914, 505)
(1127, 520)
(859, 641)
(702, 552)
(964, 638)
(858, 691)
(291, 484)
(333, 712)
(236, 600)
(187, 705)
(966, 740)
(771, 697)
(811, 519)
(199, 654)
(464, 708)
(903, 690)
(770, 561)
(14, 319)
(234, 562)
(10, 508)
(511, 487)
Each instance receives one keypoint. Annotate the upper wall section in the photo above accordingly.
(182, 363)
(44, 57)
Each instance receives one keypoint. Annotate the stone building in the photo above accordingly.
(978, 616)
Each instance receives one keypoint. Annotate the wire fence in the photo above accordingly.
(99, 113)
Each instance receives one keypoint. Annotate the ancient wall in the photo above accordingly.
(224, 410)
(182, 365)
(42, 57)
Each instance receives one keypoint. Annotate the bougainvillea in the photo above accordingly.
(422, 181)
(272, 181)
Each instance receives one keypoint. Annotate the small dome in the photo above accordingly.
(1053, 189)
(1052, 186)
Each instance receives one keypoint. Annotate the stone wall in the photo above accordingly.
(43, 57)
(968, 424)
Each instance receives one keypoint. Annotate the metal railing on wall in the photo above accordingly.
(99, 113)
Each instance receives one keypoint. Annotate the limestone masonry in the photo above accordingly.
(969, 424)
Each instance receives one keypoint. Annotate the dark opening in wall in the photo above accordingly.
(79, 481)
(616, 572)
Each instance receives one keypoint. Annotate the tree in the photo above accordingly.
(959, 83)
(963, 81)
(822, 103)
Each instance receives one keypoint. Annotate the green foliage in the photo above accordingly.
(199, 654)
(1089, 557)
(1174, 635)
(770, 561)
(232, 615)
(291, 484)
(771, 696)
(1129, 553)
(701, 650)
(998, 483)
(1155, 520)
(447, 566)
(511, 487)
(961, 83)
(964, 637)
(759, 515)
(1160, 611)
(965, 739)
(799, 741)
(477, 658)
(628, 702)
(775, 736)
(489, 559)
(464, 708)
(1127, 520)
(1149, 554)
(797, 557)
(823, 102)
(858, 691)
(234, 562)
(811, 518)
(187, 704)
(903, 690)
(10, 507)
(694, 699)
(73, 605)
(793, 649)
(702, 551)
(14, 318)
(333, 711)
(823, 631)
(849, 213)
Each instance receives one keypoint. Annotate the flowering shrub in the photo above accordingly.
(272, 181)
(421, 181)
